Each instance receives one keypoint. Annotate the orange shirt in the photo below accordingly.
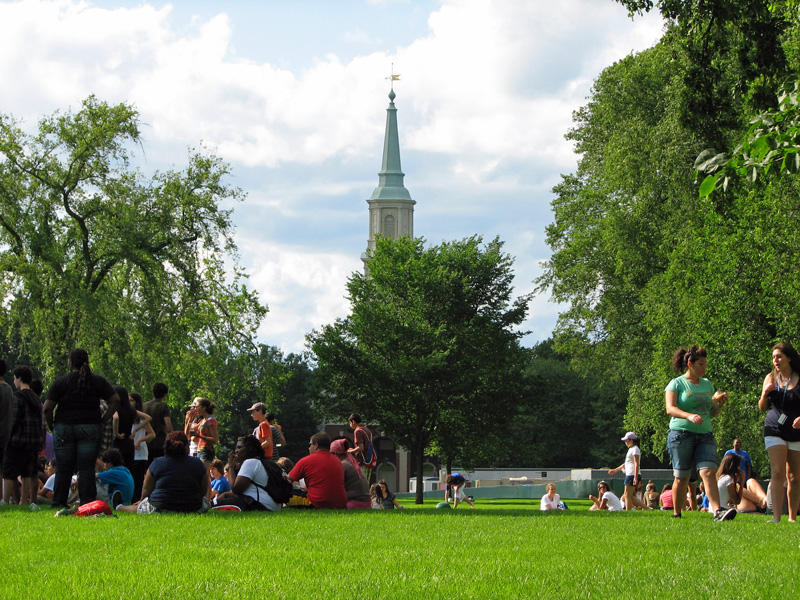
(264, 434)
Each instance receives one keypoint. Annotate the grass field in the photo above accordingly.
(502, 549)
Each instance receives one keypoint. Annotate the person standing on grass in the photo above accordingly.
(263, 431)
(691, 402)
(76, 426)
(202, 430)
(161, 420)
(631, 468)
(780, 398)
(122, 426)
(323, 474)
(278, 439)
(25, 441)
(363, 450)
(605, 499)
(6, 394)
(142, 433)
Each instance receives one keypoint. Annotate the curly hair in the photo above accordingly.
(176, 444)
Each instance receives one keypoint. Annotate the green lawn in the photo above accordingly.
(502, 549)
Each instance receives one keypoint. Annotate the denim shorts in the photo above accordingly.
(630, 480)
(688, 449)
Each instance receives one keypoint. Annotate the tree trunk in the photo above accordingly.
(448, 465)
(419, 453)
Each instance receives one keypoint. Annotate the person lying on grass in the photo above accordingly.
(551, 500)
(605, 499)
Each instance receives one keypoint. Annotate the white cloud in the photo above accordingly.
(484, 100)
(303, 289)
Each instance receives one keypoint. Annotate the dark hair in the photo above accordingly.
(270, 417)
(729, 465)
(37, 386)
(113, 456)
(207, 404)
(218, 465)
(250, 448)
(137, 397)
(125, 408)
(605, 485)
(322, 440)
(176, 444)
(23, 373)
(355, 417)
(789, 352)
(160, 390)
(375, 490)
(667, 486)
(79, 361)
(682, 357)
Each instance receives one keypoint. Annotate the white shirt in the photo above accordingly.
(548, 504)
(630, 467)
(724, 494)
(612, 502)
(139, 453)
(254, 471)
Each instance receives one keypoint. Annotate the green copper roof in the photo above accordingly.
(390, 178)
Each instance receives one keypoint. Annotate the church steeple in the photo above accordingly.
(391, 209)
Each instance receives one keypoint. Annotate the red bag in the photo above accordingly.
(93, 509)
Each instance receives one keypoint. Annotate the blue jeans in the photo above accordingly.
(76, 449)
(688, 449)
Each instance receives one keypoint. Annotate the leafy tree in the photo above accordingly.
(644, 263)
(95, 254)
(430, 345)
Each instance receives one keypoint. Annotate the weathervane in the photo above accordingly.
(393, 77)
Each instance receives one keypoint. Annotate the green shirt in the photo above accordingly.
(692, 398)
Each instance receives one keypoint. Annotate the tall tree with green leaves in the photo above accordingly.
(93, 253)
(430, 350)
(644, 262)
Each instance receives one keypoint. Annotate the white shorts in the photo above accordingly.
(772, 440)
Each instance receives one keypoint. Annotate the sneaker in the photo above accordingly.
(67, 511)
(676, 515)
(725, 514)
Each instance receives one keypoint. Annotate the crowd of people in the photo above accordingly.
(91, 440)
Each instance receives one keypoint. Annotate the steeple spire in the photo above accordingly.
(391, 209)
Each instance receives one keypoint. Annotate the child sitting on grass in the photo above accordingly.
(115, 481)
(218, 482)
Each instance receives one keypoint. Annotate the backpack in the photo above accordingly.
(278, 487)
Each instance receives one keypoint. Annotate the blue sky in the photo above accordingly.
(293, 96)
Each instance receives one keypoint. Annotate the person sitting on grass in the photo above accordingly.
(551, 500)
(323, 474)
(249, 489)
(665, 499)
(45, 495)
(355, 485)
(175, 482)
(651, 496)
(605, 499)
(114, 479)
(376, 496)
(731, 491)
(219, 484)
(389, 501)
(454, 490)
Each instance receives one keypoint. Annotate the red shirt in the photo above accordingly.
(324, 477)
